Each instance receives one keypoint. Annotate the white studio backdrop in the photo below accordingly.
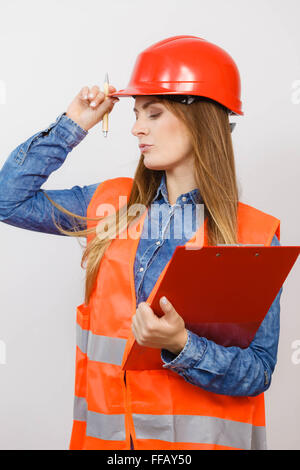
(49, 51)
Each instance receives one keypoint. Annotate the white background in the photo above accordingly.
(49, 50)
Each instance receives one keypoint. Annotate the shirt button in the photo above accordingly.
(183, 198)
(141, 269)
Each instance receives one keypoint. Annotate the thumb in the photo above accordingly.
(166, 306)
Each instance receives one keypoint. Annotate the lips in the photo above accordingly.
(144, 147)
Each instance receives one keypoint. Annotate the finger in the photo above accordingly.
(100, 99)
(148, 320)
(97, 99)
(145, 311)
(166, 305)
(138, 319)
(164, 301)
(111, 90)
(106, 106)
(83, 94)
(133, 321)
(134, 331)
(94, 91)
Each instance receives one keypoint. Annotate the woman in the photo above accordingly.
(205, 396)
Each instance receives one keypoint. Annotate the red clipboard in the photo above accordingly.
(222, 292)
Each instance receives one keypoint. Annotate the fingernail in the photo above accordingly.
(91, 95)
(164, 300)
(93, 104)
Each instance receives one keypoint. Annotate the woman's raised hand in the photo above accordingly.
(90, 105)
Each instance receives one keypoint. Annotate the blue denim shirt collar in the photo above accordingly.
(193, 195)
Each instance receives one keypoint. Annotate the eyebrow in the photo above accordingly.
(145, 106)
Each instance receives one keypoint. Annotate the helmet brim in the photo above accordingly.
(150, 90)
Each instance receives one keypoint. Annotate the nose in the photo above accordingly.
(139, 129)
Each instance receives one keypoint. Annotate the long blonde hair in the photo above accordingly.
(208, 124)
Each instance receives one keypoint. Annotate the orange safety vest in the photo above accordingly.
(158, 409)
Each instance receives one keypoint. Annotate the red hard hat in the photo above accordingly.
(186, 65)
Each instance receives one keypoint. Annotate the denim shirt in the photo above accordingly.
(203, 363)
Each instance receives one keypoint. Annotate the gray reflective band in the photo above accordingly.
(106, 349)
(107, 427)
(172, 428)
(82, 338)
(80, 409)
(100, 348)
(200, 429)
(100, 425)
(259, 438)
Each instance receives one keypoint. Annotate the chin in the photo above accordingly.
(151, 164)
(154, 167)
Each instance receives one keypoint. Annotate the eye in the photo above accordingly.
(153, 116)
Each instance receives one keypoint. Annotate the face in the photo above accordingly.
(157, 126)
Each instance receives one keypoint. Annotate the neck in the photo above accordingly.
(178, 184)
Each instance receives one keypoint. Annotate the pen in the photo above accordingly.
(105, 117)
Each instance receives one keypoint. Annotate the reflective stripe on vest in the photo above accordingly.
(100, 425)
(108, 427)
(199, 429)
(173, 428)
(80, 409)
(100, 348)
